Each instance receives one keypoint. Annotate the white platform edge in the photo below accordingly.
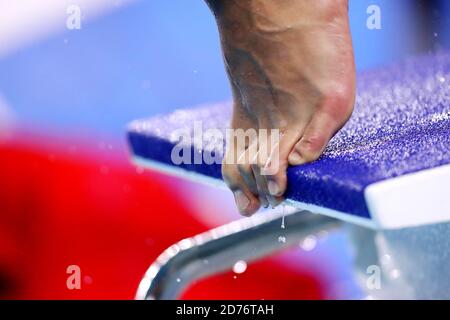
(411, 200)
(177, 172)
(199, 178)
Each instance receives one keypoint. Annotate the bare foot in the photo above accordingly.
(291, 67)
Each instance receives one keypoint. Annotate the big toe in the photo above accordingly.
(322, 127)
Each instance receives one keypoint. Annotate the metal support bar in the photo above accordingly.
(219, 249)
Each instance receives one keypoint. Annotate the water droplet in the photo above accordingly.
(309, 243)
(386, 259)
(234, 277)
(394, 274)
(178, 280)
(240, 266)
(282, 239)
(435, 34)
(282, 218)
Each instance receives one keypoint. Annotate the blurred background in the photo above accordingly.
(68, 192)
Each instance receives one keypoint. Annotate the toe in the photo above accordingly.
(274, 170)
(246, 172)
(322, 127)
(270, 177)
(309, 148)
(263, 188)
(246, 201)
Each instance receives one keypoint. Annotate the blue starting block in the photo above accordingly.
(388, 168)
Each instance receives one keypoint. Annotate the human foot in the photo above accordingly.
(291, 67)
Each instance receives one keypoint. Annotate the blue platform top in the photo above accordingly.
(400, 125)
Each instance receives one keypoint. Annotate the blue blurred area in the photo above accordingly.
(444, 25)
(147, 58)
(396, 39)
(154, 56)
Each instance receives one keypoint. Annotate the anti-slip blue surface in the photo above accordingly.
(401, 125)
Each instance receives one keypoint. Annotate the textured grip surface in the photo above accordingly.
(401, 125)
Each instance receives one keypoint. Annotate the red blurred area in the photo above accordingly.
(93, 209)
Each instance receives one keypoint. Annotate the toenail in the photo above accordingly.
(273, 188)
(295, 158)
(241, 200)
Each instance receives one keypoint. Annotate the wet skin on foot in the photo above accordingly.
(291, 68)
